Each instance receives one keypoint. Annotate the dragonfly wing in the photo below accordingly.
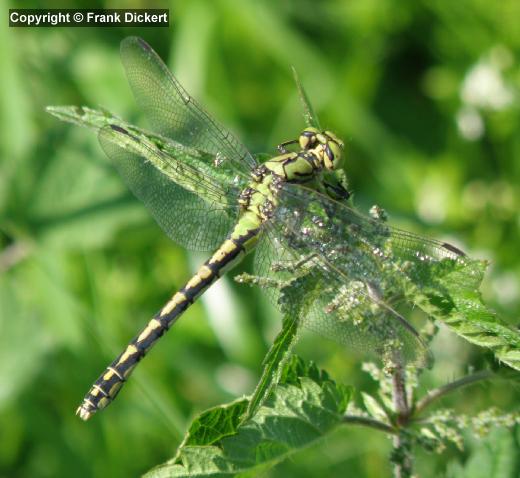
(174, 113)
(375, 268)
(301, 281)
(351, 274)
(198, 218)
(347, 228)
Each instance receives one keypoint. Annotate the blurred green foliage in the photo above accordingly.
(425, 95)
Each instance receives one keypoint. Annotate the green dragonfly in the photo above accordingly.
(341, 273)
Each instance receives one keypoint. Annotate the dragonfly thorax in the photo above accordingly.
(325, 145)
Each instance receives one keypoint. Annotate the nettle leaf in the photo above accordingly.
(215, 424)
(449, 291)
(310, 117)
(374, 408)
(273, 364)
(303, 407)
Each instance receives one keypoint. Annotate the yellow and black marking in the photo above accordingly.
(319, 152)
(112, 379)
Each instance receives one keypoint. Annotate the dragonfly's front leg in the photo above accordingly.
(334, 184)
(282, 147)
(335, 191)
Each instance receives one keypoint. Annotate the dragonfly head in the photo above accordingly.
(325, 144)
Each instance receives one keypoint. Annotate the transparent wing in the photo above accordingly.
(304, 283)
(175, 114)
(342, 224)
(345, 274)
(199, 214)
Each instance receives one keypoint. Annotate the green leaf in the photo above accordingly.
(308, 112)
(215, 423)
(374, 408)
(302, 408)
(449, 292)
(273, 362)
(83, 116)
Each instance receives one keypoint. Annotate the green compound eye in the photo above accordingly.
(307, 138)
(333, 149)
(334, 138)
(337, 152)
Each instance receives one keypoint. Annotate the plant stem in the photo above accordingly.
(399, 394)
(402, 453)
(437, 393)
(368, 422)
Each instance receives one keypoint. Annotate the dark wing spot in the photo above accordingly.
(453, 249)
(119, 129)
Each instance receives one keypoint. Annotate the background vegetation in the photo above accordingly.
(425, 95)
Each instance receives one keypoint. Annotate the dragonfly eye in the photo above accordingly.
(332, 137)
(307, 138)
(325, 144)
(334, 155)
(332, 148)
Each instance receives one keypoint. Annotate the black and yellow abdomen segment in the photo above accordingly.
(112, 379)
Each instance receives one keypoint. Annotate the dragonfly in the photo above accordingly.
(341, 273)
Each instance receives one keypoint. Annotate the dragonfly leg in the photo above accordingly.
(292, 266)
(282, 147)
(261, 281)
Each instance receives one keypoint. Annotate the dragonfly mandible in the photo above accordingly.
(347, 271)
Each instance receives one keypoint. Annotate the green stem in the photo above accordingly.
(402, 453)
(368, 422)
(438, 393)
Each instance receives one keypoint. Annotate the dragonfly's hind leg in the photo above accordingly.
(261, 281)
(295, 268)
(292, 266)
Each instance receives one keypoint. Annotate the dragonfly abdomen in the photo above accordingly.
(107, 386)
